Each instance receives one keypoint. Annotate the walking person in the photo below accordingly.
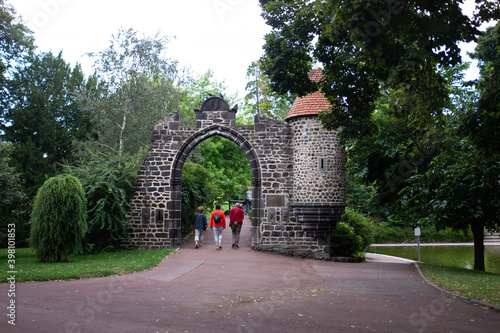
(218, 223)
(236, 216)
(200, 225)
(248, 200)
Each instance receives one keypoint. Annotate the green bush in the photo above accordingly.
(108, 180)
(431, 234)
(59, 218)
(345, 241)
(362, 225)
(383, 234)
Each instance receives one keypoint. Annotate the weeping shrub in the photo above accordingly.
(59, 218)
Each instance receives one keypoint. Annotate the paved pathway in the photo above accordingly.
(242, 290)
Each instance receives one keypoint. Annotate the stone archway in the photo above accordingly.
(249, 151)
(298, 179)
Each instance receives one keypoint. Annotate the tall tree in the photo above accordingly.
(138, 86)
(458, 190)
(389, 156)
(199, 188)
(43, 116)
(261, 99)
(374, 48)
(367, 45)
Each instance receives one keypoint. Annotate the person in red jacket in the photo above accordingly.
(217, 224)
(236, 216)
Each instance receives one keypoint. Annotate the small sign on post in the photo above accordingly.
(417, 233)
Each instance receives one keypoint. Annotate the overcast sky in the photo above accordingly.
(222, 35)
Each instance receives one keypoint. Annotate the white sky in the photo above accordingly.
(222, 35)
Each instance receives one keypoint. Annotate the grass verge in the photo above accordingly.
(81, 265)
(477, 285)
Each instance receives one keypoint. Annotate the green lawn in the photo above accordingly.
(80, 266)
(465, 282)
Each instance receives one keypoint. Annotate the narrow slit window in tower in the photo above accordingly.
(322, 164)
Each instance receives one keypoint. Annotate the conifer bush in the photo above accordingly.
(59, 218)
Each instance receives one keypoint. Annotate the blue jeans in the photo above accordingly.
(218, 235)
(248, 205)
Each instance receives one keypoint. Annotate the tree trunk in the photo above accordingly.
(122, 131)
(478, 233)
(124, 121)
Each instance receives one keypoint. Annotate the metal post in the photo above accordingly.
(417, 233)
(418, 239)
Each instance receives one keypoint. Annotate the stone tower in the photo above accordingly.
(318, 167)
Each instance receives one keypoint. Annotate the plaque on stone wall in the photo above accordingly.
(275, 201)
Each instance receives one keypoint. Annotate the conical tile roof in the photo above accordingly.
(312, 104)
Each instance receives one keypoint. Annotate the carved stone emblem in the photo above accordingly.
(214, 103)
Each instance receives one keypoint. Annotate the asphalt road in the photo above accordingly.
(242, 290)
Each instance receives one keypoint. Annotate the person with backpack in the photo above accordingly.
(235, 222)
(217, 224)
(199, 226)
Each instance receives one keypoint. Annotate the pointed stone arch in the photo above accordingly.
(247, 148)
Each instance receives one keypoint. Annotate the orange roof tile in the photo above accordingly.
(315, 75)
(310, 104)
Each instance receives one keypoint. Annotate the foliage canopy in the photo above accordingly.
(365, 46)
(44, 116)
(483, 124)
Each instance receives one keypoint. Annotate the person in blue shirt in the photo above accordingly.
(200, 225)
(248, 200)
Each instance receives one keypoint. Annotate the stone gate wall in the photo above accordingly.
(294, 203)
